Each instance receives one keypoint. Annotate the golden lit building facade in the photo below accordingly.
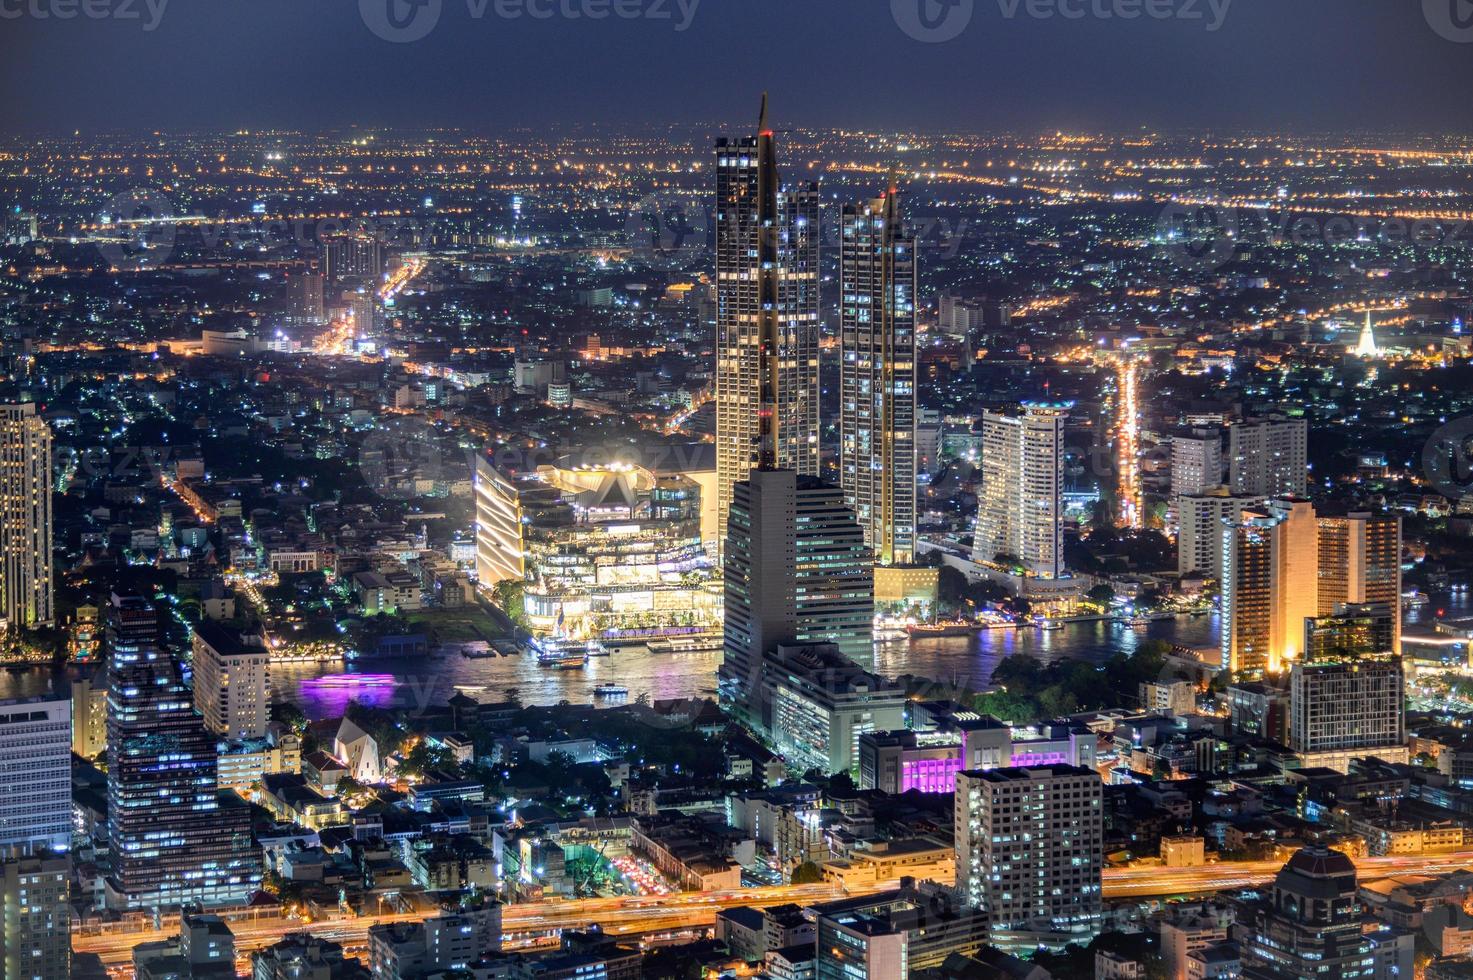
(599, 550)
(26, 574)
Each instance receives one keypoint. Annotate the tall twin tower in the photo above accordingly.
(767, 341)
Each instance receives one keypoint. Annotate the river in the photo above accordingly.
(323, 692)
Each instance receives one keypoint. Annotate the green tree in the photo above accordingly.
(806, 873)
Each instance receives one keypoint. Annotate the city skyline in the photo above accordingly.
(924, 489)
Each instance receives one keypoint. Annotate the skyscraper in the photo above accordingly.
(1196, 462)
(1270, 569)
(172, 840)
(36, 771)
(795, 570)
(1020, 510)
(232, 681)
(877, 384)
(1029, 852)
(1349, 707)
(1360, 564)
(1199, 519)
(35, 918)
(25, 517)
(1269, 458)
(767, 319)
(352, 255)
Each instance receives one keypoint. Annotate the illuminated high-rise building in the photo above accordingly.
(306, 296)
(1029, 852)
(1269, 458)
(1196, 462)
(1199, 519)
(35, 918)
(767, 318)
(352, 255)
(232, 681)
(1270, 570)
(877, 376)
(796, 570)
(25, 517)
(1360, 564)
(1020, 509)
(173, 841)
(1348, 707)
(36, 763)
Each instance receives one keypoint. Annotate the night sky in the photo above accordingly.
(1306, 65)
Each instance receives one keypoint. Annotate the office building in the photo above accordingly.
(36, 942)
(1310, 925)
(36, 773)
(306, 296)
(352, 255)
(1282, 565)
(1200, 519)
(915, 927)
(821, 704)
(1020, 509)
(26, 592)
(795, 570)
(1270, 571)
(1029, 852)
(1348, 708)
(1196, 462)
(877, 376)
(1360, 564)
(767, 315)
(173, 841)
(1269, 458)
(232, 681)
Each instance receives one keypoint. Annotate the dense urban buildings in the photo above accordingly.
(472, 530)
